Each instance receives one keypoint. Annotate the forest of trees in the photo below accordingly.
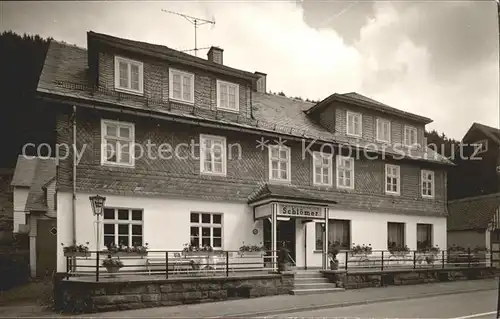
(20, 67)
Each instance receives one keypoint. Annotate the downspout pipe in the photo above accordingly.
(73, 204)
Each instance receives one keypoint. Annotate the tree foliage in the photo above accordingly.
(441, 143)
(20, 67)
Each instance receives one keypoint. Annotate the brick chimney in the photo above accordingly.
(261, 82)
(215, 55)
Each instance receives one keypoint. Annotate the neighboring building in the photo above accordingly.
(474, 222)
(477, 170)
(123, 92)
(34, 188)
(474, 190)
(6, 206)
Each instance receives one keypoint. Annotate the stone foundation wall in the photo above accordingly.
(379, 279)
(86, 297)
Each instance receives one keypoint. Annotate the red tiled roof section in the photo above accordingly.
(473, 213)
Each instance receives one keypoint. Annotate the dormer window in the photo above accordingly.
(354, 124)
(129, 75)
(410, 136)
(181, 86)
(227, 96)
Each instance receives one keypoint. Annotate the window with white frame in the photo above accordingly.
(354, 124)
(345, 172)
(212, 155)
(206, 230)
(122, 226)
(129, 75)
(410, 136)
(339, 233)
(279, 163)
(383, 130)
(322, 163)
(424, 236)
(395, 235)
(427, 183)
(392, 179)
(117, 143)
(228, 96)
(181, 86)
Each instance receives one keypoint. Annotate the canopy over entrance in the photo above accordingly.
(282, 203)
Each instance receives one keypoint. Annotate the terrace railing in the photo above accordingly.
(414, 259)
(168, 264)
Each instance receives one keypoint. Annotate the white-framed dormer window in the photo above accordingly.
(213, 155)
(427, 182)
(383, 130)
(410, 136)
(354, 124)
(392, 179)
(322, 169)
(279, 163)
(117, 140)
(481, 146)
(345, 172)
(129, 75)
(228, 96)
(181, 86)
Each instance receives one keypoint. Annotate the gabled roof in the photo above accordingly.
(472, 213)
(34, 173)
(24, 172)
(164, 52)
(491, 132)
(366, 102)
(284, 192)
(64, 79)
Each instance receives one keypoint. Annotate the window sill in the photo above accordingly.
(107, 164)
(280, 181)
(392, 194)
(354, 135)
(213, 174)
(340, 251)
(428, 197)
(129, 91)
(237, 111)
(171, 99)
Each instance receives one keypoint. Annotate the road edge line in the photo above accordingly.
(348, 304)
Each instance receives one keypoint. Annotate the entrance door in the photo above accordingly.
(46, 246)
(286, 236)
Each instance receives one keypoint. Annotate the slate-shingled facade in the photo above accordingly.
(170, 192)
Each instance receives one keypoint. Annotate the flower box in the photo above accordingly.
(251, 253)
(77, 254)
(127, 253)
(200, 253)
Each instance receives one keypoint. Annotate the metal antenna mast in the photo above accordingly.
(196, 22)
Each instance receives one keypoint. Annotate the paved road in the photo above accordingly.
(477, 305)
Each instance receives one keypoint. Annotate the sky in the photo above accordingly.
(438, 59)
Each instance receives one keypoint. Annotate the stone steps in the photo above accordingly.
(312, 282)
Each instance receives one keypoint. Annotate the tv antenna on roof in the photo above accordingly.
(196, 22)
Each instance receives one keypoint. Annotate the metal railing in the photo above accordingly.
(387, 260)
(168, 264)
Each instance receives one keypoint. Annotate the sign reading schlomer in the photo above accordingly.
(301, 211)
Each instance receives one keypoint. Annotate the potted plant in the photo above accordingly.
(194, 250)
(75, 250)
(361, 250)
(398, 251)
(283, 259)
(112, 265)
(333, 251)
(122, 250)
(429, 254)
(251, 250)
